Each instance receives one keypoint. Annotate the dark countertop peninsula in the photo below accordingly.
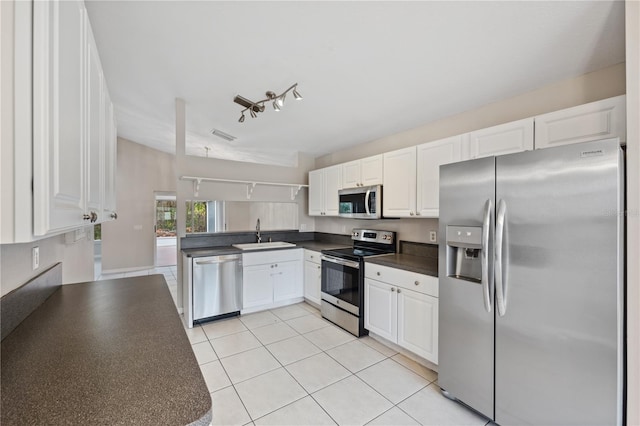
(105, 352)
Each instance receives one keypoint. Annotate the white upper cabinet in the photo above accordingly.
(364, 172)
(430, 157)
(110, 159)
(73, 123)
(588, 122)
(59, 127)
(324, 185)
(95, 128)
(516, 136)
(399, 199)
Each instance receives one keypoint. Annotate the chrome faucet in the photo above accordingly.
(258, 231)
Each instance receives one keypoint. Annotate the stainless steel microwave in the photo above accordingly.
(361, 203)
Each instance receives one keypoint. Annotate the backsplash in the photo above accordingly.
(418, 249)
(229, 238)
(19, 303)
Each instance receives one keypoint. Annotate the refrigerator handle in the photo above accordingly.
(486, 222)
(500, 277)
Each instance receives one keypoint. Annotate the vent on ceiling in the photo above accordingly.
(223, 135)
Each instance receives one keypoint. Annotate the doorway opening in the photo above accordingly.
(166, 229)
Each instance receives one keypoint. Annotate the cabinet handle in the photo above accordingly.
(417, 282)
(114, 215)
(271, 266)
(319, 267)
(276, 265)
(86, 217)
(378, 273)
(393, 289)
(94, 217)
(398, 291)
(417, 213)
(411, 213)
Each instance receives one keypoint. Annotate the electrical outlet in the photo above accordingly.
(35, 257)
(433, 237)
(303, 227)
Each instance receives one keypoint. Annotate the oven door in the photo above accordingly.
(360, 203)
(341, 283)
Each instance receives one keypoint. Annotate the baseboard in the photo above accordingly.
(123, 270)
(430, 365)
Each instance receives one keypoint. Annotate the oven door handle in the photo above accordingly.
(349, 263)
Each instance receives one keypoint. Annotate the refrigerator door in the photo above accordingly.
(466, 314)
(558, 332)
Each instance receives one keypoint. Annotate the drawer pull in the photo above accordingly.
(378, 273)
(393, 289)
(417, 283)
(398, 291)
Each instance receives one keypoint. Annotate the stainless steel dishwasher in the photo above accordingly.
(217, 286)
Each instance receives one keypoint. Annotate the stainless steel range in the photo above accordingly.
(343, 278)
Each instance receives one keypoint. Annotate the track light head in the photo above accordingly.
(253, 113)
(296, 94)
(276, 107)
(241, 120)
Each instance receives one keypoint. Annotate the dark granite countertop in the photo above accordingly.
(420, 264)
(320, 245)
(105, 352)
(211, 251)
(219, 251)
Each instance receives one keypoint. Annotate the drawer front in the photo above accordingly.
(424, 284)
(272, 256)
(312, 256)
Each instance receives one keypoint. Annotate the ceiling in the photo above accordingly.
(365, 69)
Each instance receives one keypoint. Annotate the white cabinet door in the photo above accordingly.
(95, 129)
(316, 192)
(58, 116)
(332, 184)
(257, 286)
(351, 174)
(110, 159)
(312, 279)
(380, 312)
(430, 157)
(287, 281)
(399, 183)
(418, 323)
(588, 122)
(371, 170)
(506, 138)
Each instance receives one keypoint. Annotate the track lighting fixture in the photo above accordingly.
(256, 107)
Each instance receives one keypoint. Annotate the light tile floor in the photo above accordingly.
(288, 366)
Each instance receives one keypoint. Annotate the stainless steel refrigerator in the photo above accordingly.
(531, 285)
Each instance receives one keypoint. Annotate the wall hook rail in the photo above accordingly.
(251, 185)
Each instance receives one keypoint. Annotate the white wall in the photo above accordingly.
(76, 258)
(128, 242)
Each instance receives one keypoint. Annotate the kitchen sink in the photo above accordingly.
(258, 246)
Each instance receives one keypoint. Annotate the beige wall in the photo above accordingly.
(590, 87)
(632, 10)
(76, 258)
(128, 243)
(594, 86)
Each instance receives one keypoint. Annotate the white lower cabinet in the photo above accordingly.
(271, 278)
(312, 276)
(417, 308)
(402, 307)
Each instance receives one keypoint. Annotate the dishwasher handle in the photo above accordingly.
(216, 260)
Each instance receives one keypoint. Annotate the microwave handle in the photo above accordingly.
(366, 202)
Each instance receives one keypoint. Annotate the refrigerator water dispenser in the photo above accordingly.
(464, 246)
